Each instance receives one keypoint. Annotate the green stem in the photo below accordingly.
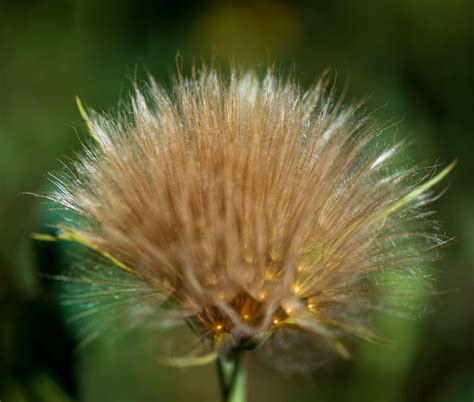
(232, 376)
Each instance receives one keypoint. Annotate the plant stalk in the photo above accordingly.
(231, 369)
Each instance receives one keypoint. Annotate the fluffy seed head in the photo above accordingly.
(250, 205)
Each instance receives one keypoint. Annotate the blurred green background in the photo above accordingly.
(414, 57)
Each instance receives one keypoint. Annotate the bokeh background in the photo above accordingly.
(413, 57)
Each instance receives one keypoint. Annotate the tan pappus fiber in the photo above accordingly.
(252, 206)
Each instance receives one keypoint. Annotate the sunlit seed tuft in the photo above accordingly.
(248, 205)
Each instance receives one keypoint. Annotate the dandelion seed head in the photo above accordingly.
(251, 205)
